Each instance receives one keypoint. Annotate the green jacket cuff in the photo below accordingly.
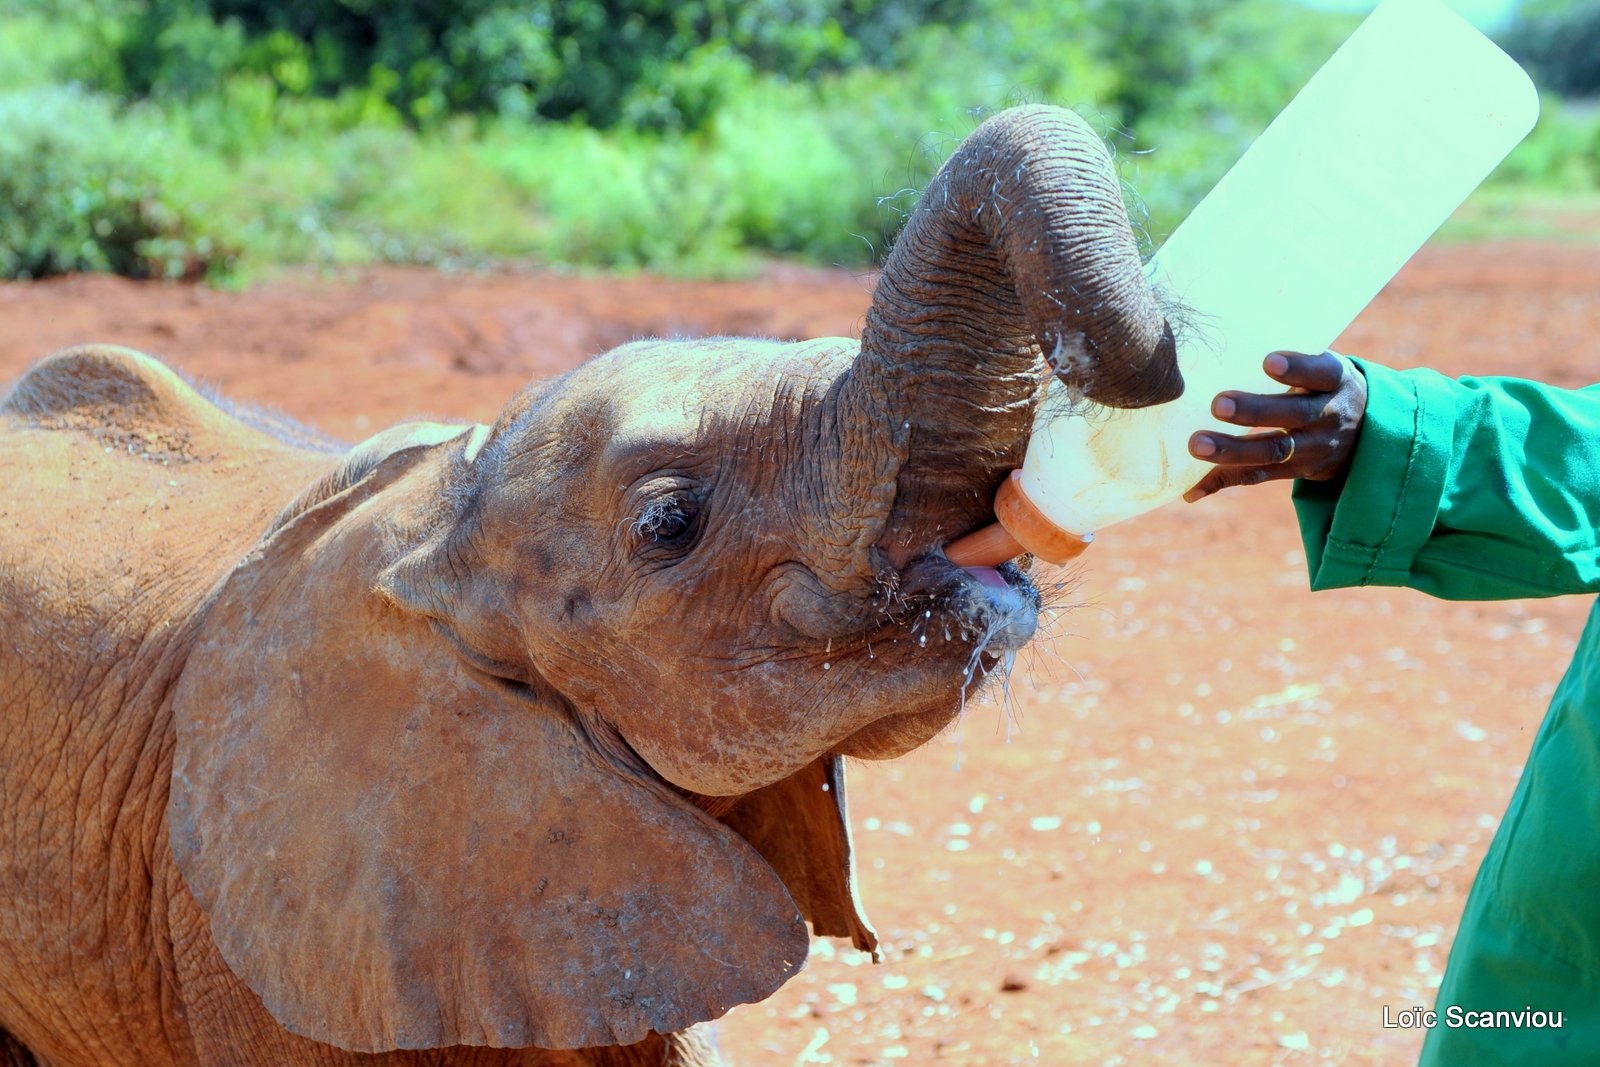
(1367, 528)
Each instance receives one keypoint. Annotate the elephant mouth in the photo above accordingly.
(1012, 602)
(954, 629)
(992, 610)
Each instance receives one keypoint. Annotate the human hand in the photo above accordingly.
(1314, 426)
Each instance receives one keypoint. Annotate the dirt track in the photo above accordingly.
(1223, 821)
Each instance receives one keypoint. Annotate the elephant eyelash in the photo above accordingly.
(666, 521)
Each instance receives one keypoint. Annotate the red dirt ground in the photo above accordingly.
(1223, 822)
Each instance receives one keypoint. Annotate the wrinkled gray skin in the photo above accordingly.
(524, 735)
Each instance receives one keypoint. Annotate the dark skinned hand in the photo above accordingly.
(1311, 429)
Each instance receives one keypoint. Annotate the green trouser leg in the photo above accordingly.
(1530, 935)
(1493, 970)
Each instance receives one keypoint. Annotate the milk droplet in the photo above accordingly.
(827, 666)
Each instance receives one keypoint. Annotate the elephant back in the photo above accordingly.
(125, 494)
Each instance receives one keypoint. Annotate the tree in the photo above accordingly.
(1559, 42)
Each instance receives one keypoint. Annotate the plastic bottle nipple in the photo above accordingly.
(1022, 528)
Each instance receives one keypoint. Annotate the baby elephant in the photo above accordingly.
(522, 743)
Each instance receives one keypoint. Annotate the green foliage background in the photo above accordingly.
(1559, 42)
(184, 138)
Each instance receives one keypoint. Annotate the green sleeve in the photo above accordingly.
(1467, 489)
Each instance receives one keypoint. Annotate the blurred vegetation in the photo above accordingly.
(1558, 41)
(183, 138)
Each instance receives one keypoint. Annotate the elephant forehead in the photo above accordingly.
(689, 375)
(677, 391)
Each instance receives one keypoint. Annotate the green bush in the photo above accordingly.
(83, 187)
(37, 51)
(689, 137)
(788, 183)
(644, 63)
(1562, 152)
(1559, 42)
(621, 201)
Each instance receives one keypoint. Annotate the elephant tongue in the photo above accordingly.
(988, 576)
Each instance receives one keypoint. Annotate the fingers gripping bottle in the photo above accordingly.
(1377, 150)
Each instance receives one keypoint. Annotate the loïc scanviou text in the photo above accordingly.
(1456, 1017)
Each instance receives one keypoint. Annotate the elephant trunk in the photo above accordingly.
(1019, 254)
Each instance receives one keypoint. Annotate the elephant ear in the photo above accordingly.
(397, 851)
(800, 825)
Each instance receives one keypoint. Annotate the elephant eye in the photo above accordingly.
(668, 522)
